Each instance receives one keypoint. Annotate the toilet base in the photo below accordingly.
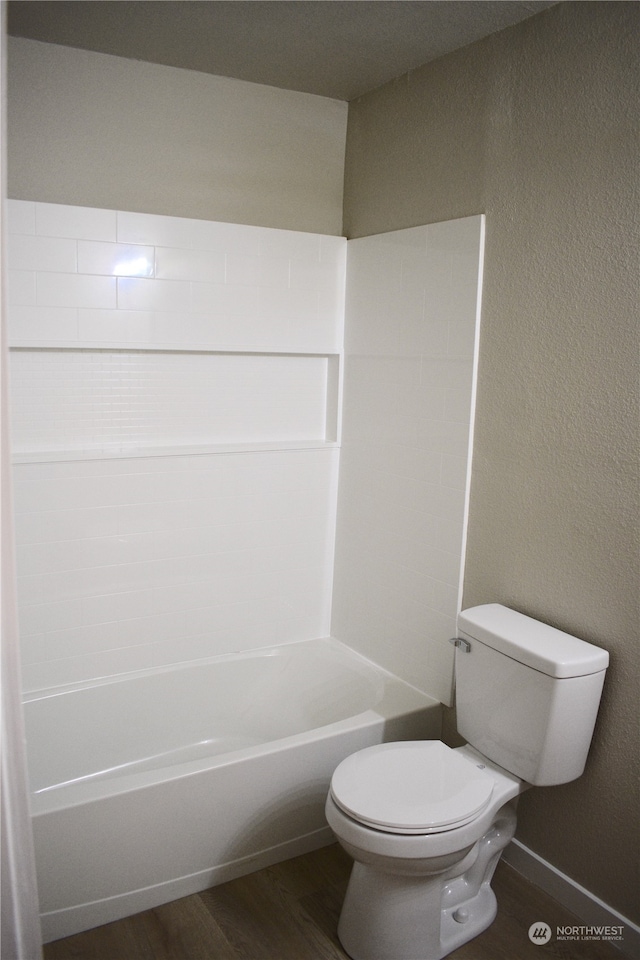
(393, 916)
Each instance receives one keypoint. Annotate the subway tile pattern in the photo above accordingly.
(412, 307)
(118, 401)
(89, 277)
(129, 563)
(133, 332)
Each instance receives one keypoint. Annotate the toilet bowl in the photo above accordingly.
(425, 823)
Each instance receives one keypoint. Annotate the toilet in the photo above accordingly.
(426, 823)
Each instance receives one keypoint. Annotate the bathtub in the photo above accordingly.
(160, 783)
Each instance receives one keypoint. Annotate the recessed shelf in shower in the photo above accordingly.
(78, 402)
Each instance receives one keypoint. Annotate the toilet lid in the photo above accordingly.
(414, 786)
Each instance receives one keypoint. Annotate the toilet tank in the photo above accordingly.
(527, 695)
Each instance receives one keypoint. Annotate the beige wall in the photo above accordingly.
(537, 127)
(128, 135)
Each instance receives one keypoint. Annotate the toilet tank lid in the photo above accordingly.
(530, 642)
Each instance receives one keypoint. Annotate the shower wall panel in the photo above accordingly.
(175, 408)
(131, 562)
(412, 312)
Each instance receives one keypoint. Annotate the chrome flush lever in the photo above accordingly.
(463, 645)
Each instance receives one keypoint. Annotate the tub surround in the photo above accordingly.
(175, 433)
(177, 389)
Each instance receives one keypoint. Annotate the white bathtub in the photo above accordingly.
(160, 783)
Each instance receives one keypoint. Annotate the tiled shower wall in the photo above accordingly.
(126, 563)
(114, 401)
(81, 276)
(412, 309)
(174, 406)
(174, 431)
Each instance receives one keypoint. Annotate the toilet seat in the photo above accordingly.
(411, 787)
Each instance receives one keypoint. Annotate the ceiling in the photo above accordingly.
(333, 48)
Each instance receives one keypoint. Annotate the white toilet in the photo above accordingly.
(425, 823)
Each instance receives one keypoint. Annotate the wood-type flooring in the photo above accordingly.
(290, 912)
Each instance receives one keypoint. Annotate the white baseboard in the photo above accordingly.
(588, 908)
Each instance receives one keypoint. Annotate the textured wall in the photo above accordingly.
(537, 127)
(127, 135)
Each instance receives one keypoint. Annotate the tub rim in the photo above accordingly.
(393, 692)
